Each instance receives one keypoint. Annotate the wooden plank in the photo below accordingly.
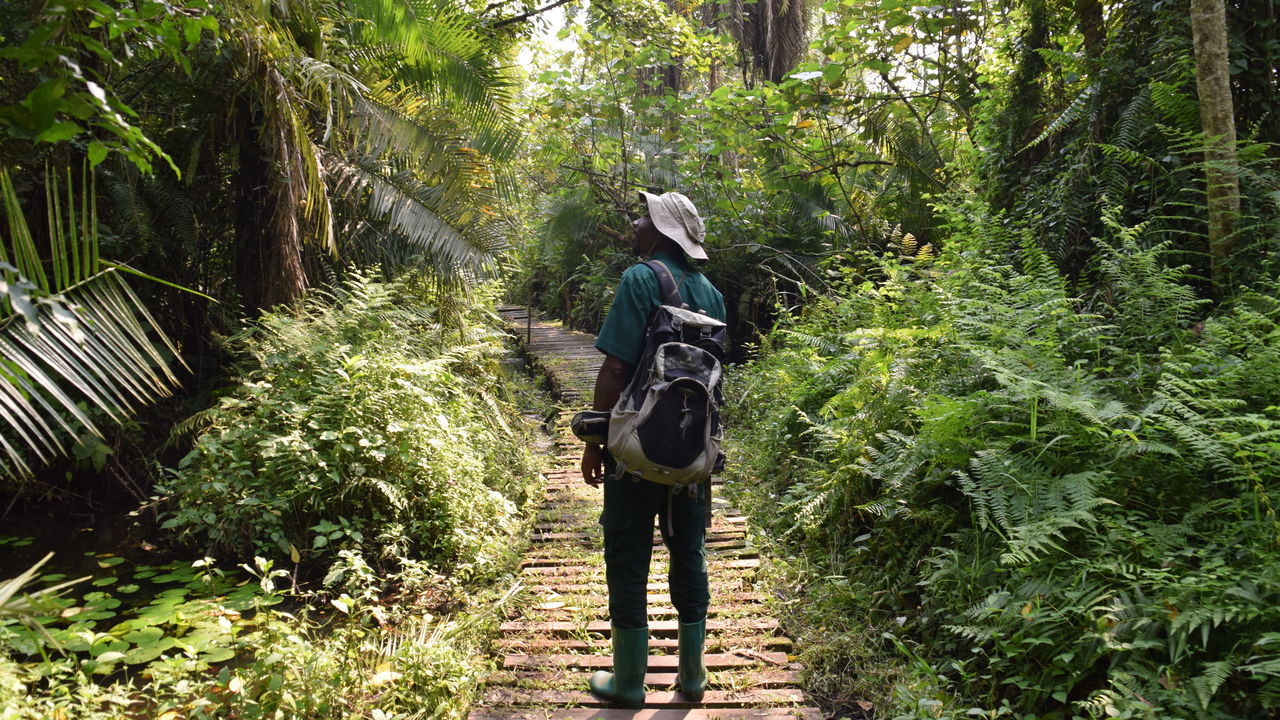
(657, 645)
(714, 661)
(720, 548)
(653, 609)
(585, 596)
(561, 562)
(576, 678)
(565, 574)
(720, 537)
(593, 587)
(712, 698)
(727, 555)
(660, 628)
(800, 713)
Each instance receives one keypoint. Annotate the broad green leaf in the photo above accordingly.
(60, 131)
(97, 152)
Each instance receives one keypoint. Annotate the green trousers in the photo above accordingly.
(630, 507)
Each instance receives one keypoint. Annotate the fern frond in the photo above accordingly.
(1072, 113)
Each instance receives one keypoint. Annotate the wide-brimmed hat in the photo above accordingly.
(676, 217)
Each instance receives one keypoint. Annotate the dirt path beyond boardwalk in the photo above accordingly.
(551, 644)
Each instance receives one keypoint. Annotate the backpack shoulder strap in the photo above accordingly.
(667, 289)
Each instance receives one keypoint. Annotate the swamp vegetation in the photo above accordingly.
(1001, 278)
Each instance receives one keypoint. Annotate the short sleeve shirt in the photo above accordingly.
(622, 334)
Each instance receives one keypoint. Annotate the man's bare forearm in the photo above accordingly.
(610, 382)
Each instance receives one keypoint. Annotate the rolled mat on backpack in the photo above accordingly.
(591, 426)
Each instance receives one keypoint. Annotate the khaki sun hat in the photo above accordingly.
(675, 216)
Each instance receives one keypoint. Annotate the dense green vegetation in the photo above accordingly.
(1051, 505)
(290, 213)
(1002, 280)
(366, 426)
(364, 468)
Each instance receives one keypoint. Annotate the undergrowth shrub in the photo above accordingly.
(1029, 502)
(369, 426)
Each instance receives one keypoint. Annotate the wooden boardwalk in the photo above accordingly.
(554, 641)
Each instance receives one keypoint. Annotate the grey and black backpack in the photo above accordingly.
(665, 426)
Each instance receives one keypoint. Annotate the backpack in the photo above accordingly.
(665, 426)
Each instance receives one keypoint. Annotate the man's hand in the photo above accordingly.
(592, 465)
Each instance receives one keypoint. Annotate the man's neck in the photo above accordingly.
(669, 255)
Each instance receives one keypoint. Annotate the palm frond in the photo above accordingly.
(80, 337)
(453, 236)
(27, 606)
(405, 125)
(438, 48)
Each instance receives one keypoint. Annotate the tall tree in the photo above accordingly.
(1092, 26)
(772, 33)
(1213, 83)
(389, 111)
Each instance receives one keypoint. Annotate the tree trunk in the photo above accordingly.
(771, 35)
(711, 21)
(1019, 123)
(785, 33)
(1092, 26)
(268, 256)
(1213, 84)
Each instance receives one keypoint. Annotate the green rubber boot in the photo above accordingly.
(624, 687)
(693, 671)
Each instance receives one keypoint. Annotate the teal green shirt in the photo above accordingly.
(622, 335)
